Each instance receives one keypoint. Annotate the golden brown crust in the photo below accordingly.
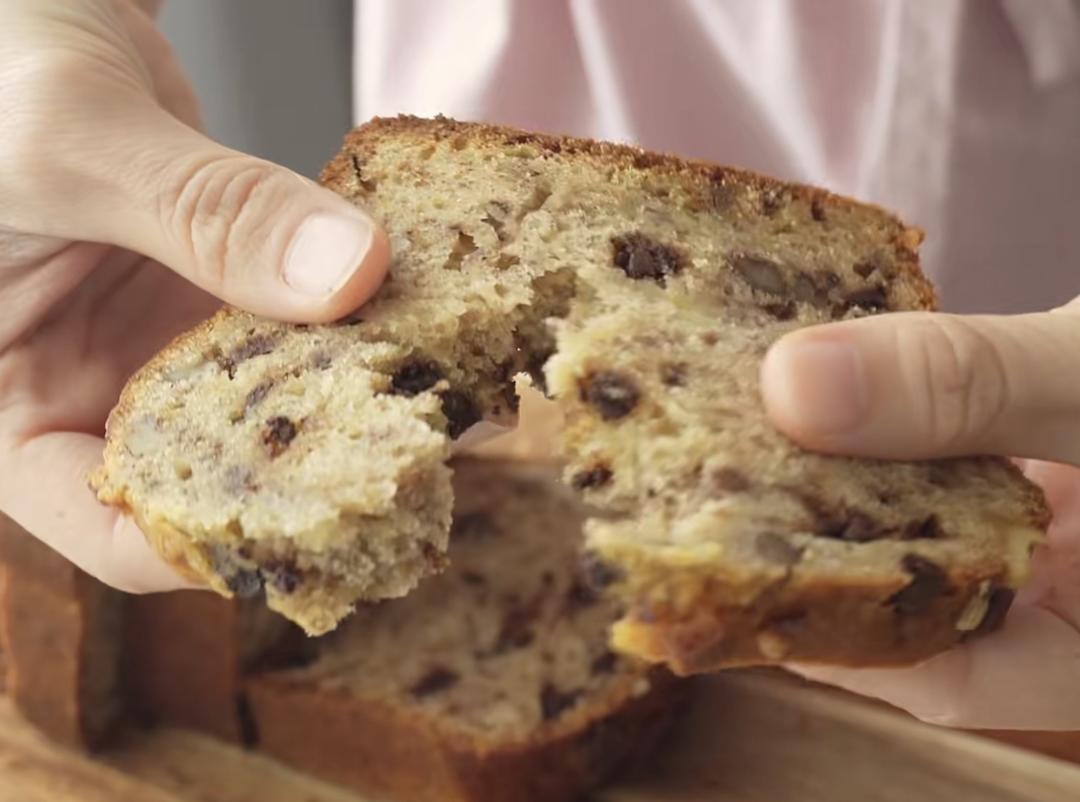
(382, 750)
(340, 173)
(838, 625)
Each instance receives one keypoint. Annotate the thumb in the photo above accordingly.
(252, 233)
(923, 385)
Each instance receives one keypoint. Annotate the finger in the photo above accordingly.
(1022, 677)
(45, 492)
(250, 232)
(920, 385)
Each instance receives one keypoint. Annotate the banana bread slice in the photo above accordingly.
(309, 459)
(62, 634)
(186, 653)
(491, 682)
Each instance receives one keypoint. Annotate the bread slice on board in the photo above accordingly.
(309, 461)
(61, 632)
(491, 682)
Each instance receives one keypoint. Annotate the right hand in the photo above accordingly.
(120, 226)
(926, 385)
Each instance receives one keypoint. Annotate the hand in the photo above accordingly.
(120, 226)
(917, 385)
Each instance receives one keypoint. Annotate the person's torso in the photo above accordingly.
(964, 115)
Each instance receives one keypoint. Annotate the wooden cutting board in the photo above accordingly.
(749, 738)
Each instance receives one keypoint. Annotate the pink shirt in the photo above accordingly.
(963, 115)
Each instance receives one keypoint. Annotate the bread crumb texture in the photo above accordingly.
(641, 293)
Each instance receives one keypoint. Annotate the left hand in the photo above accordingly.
(916, 386)
(121, 225)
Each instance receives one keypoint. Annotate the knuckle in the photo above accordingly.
(213, 208)
(962, 375)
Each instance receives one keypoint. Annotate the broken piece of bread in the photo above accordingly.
(492, 682)
(309, 461)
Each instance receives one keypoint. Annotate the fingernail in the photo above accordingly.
(325, 252)
(817, 386)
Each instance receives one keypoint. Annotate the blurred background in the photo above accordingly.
(273, 75)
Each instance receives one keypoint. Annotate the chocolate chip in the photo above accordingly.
(283, 576)
(760, 273)
(596, 476)
(436, 680)
(460, 410)
(613, 394)
(598, 573)
(781, 311)
(244, 583)
(516, 630)
(258, 394)
(604, 664)
(641, 257)
(928, 528)
(777, 549)
(553, 701)
(416, 376)
(849, 525)
(817, 209)
(673, 374)
(998, 605)
(872, 299)
(279, 432)
(286, 581)
(473, 578)
(473, 526)
(928, 581)
(579, 596)
(255, 345)
(861, 528)
(726, 480)
(864, 269)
